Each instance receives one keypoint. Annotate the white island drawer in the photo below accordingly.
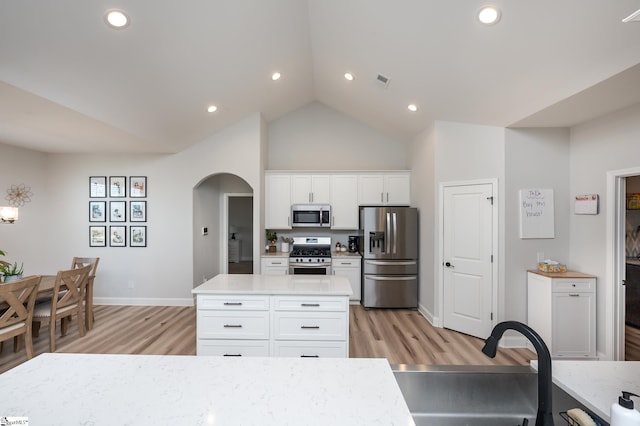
(310, 326)
(317, 303)
(233, 325)
(310, 349)
(235, 303)
(233, 347)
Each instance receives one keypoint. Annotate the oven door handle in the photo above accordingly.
(309, 265)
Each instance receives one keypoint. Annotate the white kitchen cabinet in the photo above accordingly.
(562, 310)
(277, 201)
(233, 325)
(274, 265)
(344, 202)
(310, 326)
(310, 189)
(384, 189)
(297, 325)
(350, 267)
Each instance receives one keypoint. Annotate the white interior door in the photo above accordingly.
(467, 258)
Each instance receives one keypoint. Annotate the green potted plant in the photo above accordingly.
(272, 237)
(11, 272)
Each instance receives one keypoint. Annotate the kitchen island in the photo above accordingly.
(73, 389)
(273, 315)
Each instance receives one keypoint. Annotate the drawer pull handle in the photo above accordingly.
(574, 294)
(232, 326)
(232, 355)
(315, 327)
(309, 305)
(232, 303)
(309, 356)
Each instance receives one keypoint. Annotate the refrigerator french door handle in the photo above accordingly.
(395, 233)
(388, 234)
(390, 278)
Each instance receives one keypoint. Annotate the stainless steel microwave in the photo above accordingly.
(311, 215)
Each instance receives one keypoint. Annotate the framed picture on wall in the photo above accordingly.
(137, 236)
(117, 211)
(97, 237)
(97, 211)
(117, 186)
(137, 186)
(118, 236)
(138, 211)
(97, 187)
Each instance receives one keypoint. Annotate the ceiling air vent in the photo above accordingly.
(382, 80)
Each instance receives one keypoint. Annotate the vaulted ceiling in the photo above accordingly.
(69, 83)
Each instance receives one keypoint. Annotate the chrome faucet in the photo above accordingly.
(544, 416)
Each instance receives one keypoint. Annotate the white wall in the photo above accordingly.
(534, 158)
(606, 144)
(467, 152)
(54, 227)
(423, 196)
(316, 137)
(25, 240)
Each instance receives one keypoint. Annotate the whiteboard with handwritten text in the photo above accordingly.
(536, 213)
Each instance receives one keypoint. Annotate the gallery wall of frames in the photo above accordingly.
(117, 211)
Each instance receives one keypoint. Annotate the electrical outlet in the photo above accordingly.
(540, 256)
(132, 284)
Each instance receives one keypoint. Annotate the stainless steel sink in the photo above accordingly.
(475, 395)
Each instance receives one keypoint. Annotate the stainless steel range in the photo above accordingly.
(310, 256)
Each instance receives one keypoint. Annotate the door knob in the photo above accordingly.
(448, 265)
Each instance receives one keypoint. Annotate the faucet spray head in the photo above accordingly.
(490, 347)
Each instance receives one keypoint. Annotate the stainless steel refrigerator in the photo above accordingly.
(389, 246)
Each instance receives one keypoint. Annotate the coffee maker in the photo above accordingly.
(354, 244)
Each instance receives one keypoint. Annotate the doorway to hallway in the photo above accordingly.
(239, 214)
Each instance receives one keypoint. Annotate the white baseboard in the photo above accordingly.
(514, 342)
(433, 320)
(134, 301)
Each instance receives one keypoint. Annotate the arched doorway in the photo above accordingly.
(211, 232)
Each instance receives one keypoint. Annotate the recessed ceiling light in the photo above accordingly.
(116, 18)
(348, 76)
(412, 107)
(275, 76)
(212, 108)
(489, 15)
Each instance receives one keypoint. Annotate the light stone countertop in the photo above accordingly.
(276, 254)
(312, 285)
(596, 384)
(81, 389)
(336, 254)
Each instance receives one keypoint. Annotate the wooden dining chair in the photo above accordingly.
(17, 300)
(67, 300)
(79, 262)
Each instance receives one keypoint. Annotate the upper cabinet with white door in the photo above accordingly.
(375, 189)
(277, 201)
(344, 202)
(344, 192)
(310, 189)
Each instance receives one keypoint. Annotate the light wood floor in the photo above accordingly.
(632, 343)
(401, 336)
